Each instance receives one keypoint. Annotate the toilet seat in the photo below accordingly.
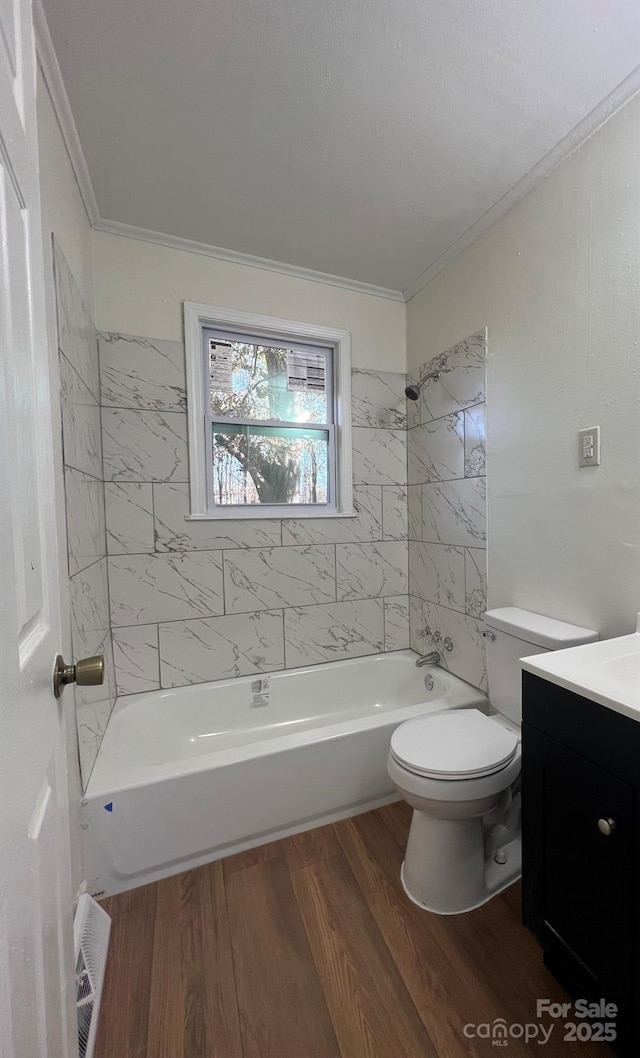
(456, 745)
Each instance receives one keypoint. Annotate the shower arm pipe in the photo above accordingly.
(412, 392)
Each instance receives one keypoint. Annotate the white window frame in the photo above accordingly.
(196, 317)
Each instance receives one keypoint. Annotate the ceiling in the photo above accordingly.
(360, 138)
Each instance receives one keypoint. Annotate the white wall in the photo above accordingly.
(63, 215)
(140, 287)
(556, 281)
(62, 208)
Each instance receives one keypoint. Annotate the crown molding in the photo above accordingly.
(174, 242)
(48, 62)
(581, 132)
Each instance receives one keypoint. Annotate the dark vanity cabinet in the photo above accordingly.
(581, 847)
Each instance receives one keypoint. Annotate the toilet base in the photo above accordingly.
(446, 869)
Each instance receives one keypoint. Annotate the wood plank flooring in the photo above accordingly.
(308, 948)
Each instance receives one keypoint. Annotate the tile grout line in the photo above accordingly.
(145, 411)
(284, 641)
(384, 626)
(106, 536)
(157, 627)
(448, 414)
(90, 566)
(224, 577)
(265, 610)
(79, 470)
(95, 400)
(444, 481)
(465, 579)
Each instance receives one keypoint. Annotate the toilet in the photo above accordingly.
(460, 772)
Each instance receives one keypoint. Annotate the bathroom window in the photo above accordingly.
(269, 416)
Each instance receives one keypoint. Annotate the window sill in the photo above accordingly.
(245, 516)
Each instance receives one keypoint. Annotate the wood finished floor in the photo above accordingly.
(308, 948)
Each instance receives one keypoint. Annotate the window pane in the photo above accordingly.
(254, 384)
(269, 464)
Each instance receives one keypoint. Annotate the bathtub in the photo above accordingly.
(189, 775)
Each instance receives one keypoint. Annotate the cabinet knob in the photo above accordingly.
(606, 826)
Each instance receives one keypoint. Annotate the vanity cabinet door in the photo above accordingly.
(579, 868)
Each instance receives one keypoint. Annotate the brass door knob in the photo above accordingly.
(89, 672)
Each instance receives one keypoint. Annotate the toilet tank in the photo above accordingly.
(511, 634)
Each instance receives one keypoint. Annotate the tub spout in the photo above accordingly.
(432, 658)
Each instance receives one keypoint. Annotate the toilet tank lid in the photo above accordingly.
(538, 630)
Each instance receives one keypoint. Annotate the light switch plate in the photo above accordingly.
(589, 451)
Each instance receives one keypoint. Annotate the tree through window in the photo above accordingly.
(271, 421)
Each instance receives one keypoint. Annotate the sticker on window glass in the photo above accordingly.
(306, 372)
(221, 366)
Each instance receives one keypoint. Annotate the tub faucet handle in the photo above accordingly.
(447, 643)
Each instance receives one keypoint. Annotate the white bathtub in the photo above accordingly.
(186, 776)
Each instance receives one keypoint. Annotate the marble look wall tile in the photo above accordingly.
(367, 570)
(84, 497)
(414, 511)
(266, 578)
(174, 533)
(221, 647)
(144, 445)
(413, 406)
(475, 581)
(396, 622)
(394, 512)
(461, 382)
(77, 337)
(377, 399)
(136, 658)
(171, 587)
(142, 373)
(105, 691)
(436, 574)
(129, 507)
(475, 457)
(436, 450)
(94, 706)
(333, 632)
(91, 723)
(81, 430)
(417, 641)
(366, 525)
(379, 456)
(454, 512)
(467, 659)
(89, 608)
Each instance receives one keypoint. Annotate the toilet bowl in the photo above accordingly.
(460, 772)
(457, 771)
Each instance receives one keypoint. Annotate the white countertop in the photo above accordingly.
(607, 672)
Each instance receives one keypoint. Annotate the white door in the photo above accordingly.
(36, 960)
